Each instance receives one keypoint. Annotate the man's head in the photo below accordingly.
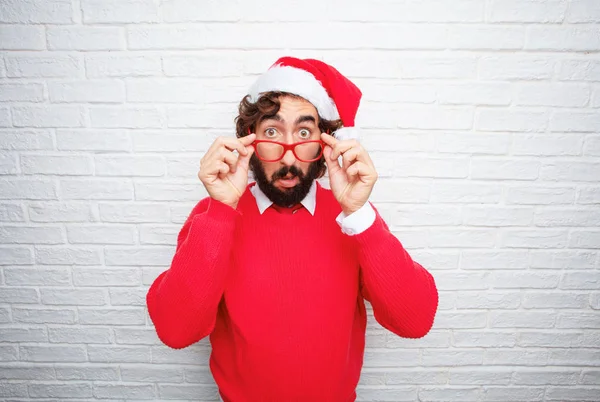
(289, 119)
(296, 100)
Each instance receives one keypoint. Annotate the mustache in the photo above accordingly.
(285, 170)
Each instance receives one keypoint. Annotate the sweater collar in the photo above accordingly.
(263, 202)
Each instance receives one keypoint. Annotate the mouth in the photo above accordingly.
(288, 181)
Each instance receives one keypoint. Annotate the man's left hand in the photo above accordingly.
(353, 181)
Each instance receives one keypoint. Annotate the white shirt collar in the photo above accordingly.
(263, 202)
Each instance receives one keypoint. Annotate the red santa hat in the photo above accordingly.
(333, 95)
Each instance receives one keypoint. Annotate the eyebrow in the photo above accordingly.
(301, 119)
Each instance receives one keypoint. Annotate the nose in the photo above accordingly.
(288, 158)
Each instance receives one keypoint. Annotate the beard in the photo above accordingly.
(290, 196)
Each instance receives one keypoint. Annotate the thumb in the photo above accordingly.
(332, 165)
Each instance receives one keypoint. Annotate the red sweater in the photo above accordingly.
(281, 296)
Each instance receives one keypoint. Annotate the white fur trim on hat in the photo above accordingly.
(298, 82)
(347, 133)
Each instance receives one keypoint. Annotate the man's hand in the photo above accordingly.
(352, 182)
(224, 173)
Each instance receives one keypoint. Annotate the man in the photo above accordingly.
(276, 272)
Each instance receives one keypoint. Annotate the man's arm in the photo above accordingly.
(403, 294)
(183, 301)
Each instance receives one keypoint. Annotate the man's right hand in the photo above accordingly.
(225, 173)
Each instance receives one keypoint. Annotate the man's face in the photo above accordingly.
(287, 181)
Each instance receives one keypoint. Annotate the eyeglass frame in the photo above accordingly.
(288, 147)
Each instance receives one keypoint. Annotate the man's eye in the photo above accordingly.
(270, 132)
(304, 134)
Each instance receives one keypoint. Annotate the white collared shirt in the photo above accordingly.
(352, 224)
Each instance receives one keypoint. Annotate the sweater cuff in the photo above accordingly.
(357, 222)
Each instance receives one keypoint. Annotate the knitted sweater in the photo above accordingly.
(281, 296)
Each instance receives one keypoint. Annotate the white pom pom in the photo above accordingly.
(347, 133)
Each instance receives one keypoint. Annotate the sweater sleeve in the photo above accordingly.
(183, 301)
(403, 294)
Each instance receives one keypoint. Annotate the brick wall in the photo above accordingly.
(482, 116)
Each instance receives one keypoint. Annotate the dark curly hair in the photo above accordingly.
(268, 104)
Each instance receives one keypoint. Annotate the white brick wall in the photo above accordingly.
(483, 117)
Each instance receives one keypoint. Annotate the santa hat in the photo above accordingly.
(333, 95)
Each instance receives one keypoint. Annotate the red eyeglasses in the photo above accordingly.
(273, 151)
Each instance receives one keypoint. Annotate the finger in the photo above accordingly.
(343, 146)
(244, 160)
(349, 157)
(328, 139)
(332, 164)
(229, 158)
(361, 171)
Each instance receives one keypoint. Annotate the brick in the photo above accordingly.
(93, 140)
(573, 357)
(419, 117)
(529, 238)
(149, 274)
(509, 319)
(25, 139)
(474, 94)
(552, 11)
(578, 321)
(53, 353)
(595, 301)
(101, 234)
(570, 171)
(186, 167)
(524, 280)
(579, 394)
(477, 238)
(579, 70)
(162, 235)
(56, 165)
(85, 38)
(429, 167)
(185, 90)
(188, 391)
(31, 235)
(5, 315)
(497, 216)
(48, 116)
(567, 217)
(516, 67)
(503, 394)
(463, 394)
(180, 213)
(22, 37)
(93, 373)
(453, 192)
(488, 300)
(467, 143)
(537, 195)
(437, 259)
(580, 281)
(415, 376)
(119, 354)
(13, 390)
(188, 11)
(21, 92)
(103, 391)
(114, 316)
(126, 117)
(11, 213)
(116, 165)
(516, 357)
(5, 117)
(202, 65)
(101, 276)
(8, 163)
(461, 281)
(555, 300)
(458, 320)
(490, 37)
(67, 256)
(37, 276)
(136, 336)
(144, 256)
(195, 355)
(497, 259)
(96, 189)
(122, 64)
(585, 239)
(79, 335)
(73, 297)
(23, 334)
(582, 11)
(133, 213)
(114, 11)
(434, 339)
(589, 377)
(509, 120)
(16, 256)
(551, 376)
(550, 94)
(484, 339)
(202, 375)
(172, 141)
(563, 38)
(32, 65)
(592, 146)
(483, 377)
(60, 390)
(60, 212)
(128, 297)
(571, 259)
(217, 116)
(34, 12)
(172, 190)
(43, 315)
(575, 122)
(18, 295)
(13, 372)
(92, 91)
(139, 373)
(548, 145)
(390, 91)
(549, 339)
